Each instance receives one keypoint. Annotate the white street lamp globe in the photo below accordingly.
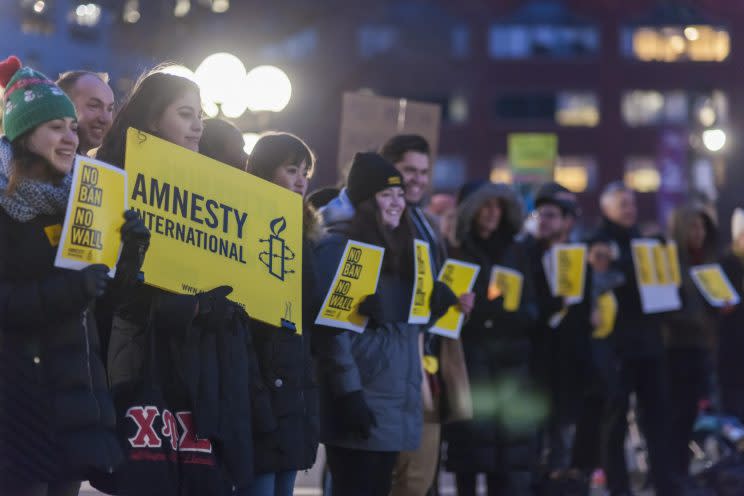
(219, 77)
(249, 141)
(714, 139)
(179, 70)
(267, 89)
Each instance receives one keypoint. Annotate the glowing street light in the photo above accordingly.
(250, 140)
(268, 89)
(714, 139)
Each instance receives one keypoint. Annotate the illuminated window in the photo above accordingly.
(697, 43)
(577, 109)
(566, 108)
(642, 175)
(650, 107)
(577, 173)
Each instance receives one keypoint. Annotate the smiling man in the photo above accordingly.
(94, 104)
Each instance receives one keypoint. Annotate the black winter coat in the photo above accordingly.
(561, 353)
(56, 415)
(290, 440)
(497, 346)
(636, 334)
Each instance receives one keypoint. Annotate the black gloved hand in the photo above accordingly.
(442, 298)
(356, 416)
(214, 306)
(95, 280)
(372, 307)
(135, 239)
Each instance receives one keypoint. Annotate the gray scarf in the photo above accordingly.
(30, 198)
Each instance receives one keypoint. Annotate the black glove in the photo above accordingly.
(372, 307)
(214, 306)
(135, 239)
(442, 298)
(356, 416)
(95, 280)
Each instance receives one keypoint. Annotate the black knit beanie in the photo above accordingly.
(370, 174)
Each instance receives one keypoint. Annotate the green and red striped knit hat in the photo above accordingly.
(30, 99)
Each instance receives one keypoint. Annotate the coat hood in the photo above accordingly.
(337, 214)
(513, 213)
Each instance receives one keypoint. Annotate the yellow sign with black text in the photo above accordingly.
(460, 277)
(214, 225)
(356, 277)
(95, 213)
(569, 261)
(507, 283)
(714, 285)
(423, 285)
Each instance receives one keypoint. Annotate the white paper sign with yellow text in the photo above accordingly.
(655, 281)
(423, 284)
(95, 213)
(460, 277)
(715, 286)
(507, 283)
(356, 277)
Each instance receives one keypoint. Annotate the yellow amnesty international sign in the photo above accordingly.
(95, 213)
(460, 277)
(569, 261)
(607, 311)
(507, 283)
(714, 285)
(654, 276)
(423, 284)
(215, 225)
(356, 278)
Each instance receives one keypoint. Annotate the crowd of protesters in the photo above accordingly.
(535, 398)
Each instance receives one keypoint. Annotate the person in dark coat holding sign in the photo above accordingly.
(181, 366)
(370, 383)
(637, 358)
(690, 333)
(290, 442)
(57, 422)
(501, 440)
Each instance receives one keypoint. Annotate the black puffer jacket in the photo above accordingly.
(496, 344)
(56, 415)
(290, 442)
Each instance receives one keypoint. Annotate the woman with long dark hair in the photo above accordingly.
(290, 443)
(192, 353)
(370, 383)
(57, 422)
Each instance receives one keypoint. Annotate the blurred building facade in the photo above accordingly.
(629, 86)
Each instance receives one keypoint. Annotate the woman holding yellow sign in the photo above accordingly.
(57, 422)
(180, 365)
(283, 355)
(690, 333)
(500, 440)
(370, 382)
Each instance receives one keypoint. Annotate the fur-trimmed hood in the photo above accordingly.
(513, 213)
